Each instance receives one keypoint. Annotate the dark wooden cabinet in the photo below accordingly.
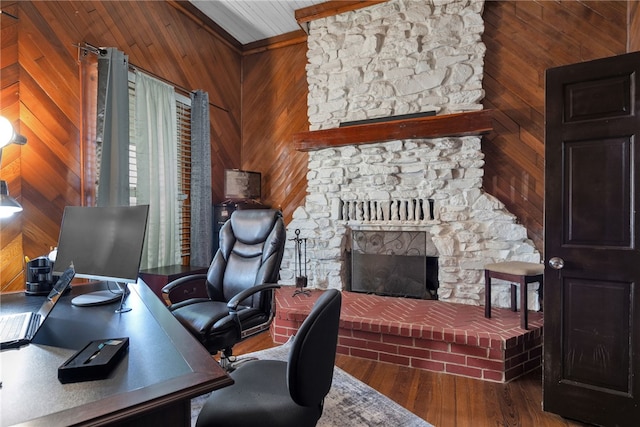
(221, 214)
(157, 278)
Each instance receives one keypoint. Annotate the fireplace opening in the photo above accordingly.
(393, 263)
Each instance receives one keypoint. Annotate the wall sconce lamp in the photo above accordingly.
(8, 205)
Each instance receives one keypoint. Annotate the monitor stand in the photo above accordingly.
(99, 297)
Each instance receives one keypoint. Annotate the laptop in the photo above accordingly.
(18, 329)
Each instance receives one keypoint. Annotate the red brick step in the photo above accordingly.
(432, 335)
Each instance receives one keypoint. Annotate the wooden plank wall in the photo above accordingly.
(633, 35)
(11, 249)
(41, 93)
(274, 105)
(523, 39)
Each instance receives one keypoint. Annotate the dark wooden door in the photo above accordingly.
(591, 304)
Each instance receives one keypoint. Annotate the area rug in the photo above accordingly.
(350, 402)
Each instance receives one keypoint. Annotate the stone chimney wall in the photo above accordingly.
(395, 58)
(402, 57)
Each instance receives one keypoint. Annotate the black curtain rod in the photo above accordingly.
(184, 91)
(101, 51)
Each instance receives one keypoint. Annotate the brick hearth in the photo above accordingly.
(432, 335)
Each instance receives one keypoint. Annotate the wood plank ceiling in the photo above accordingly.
(251, 20)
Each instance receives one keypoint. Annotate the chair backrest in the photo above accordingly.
(312, 356)
(250, 253)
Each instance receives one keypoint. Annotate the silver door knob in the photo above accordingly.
(556, 262)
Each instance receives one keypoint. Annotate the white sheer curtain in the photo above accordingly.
(156, 138)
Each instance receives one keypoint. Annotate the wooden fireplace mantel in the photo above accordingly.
(458, 124)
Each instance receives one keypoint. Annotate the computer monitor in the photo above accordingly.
(242, 185)
(104, 244)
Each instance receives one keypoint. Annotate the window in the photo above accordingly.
(183, 108)
(91, 134)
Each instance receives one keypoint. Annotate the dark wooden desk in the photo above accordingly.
(164, 368)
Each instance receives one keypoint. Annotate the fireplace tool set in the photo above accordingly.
(301, 279)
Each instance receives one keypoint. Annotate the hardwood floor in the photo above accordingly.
(446, 400)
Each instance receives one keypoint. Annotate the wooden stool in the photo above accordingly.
(514, 272)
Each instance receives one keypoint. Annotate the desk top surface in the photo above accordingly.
(163, 359)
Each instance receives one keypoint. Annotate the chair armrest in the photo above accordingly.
(234, 302)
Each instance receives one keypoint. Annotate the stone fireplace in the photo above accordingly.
(395, 58)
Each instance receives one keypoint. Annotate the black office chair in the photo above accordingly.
(240, 283)
(271, 393)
